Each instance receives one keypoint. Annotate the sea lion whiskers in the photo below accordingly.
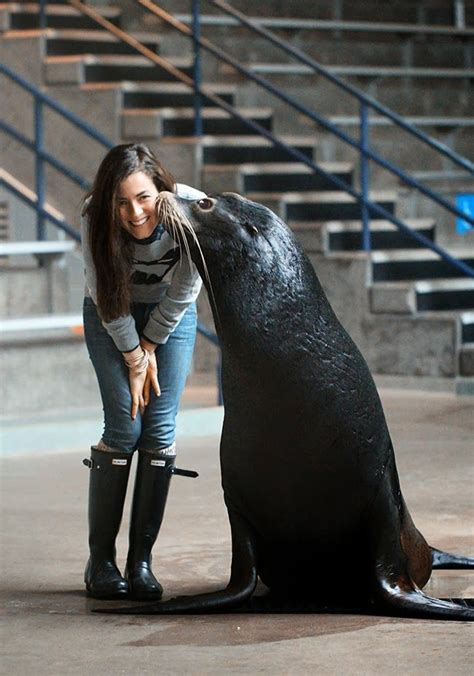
(170, 214)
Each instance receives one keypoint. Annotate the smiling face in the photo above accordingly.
(136, 200)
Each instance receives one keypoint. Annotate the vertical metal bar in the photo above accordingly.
(197, 69)
(364, 174)
(39, 169)
(459, 14)
(42, 15)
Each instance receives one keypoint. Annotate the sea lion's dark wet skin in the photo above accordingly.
(308, 469)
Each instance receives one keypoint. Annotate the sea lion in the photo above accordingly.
(308, 467)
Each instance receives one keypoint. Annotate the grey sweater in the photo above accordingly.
(160, 276)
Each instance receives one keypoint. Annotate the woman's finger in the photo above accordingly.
(146, 391)
(134, 406)
(155, 384)
(141, 404)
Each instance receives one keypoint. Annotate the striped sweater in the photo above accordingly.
(158, 277)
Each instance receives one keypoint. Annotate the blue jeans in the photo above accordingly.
(156, 428)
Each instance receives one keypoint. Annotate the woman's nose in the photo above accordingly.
(135, 209)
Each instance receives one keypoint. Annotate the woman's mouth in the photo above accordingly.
(141, 221)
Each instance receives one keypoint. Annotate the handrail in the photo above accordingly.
(220, 54)
(372, 207)
(43, 156)
(299, 55)
(334, 25)
(362, 198)
(365, 152)
(47, 157)
(62, 225)
(37, 146)
(56, 106)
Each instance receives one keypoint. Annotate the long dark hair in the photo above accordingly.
(111, 246)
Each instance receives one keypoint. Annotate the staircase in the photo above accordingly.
(409, 312)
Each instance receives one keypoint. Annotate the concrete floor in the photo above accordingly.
(48, 627)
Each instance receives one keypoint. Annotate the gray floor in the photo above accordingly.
(48, 627)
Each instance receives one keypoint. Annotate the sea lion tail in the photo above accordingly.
(212, 602)
(402, 559)
(449, 561)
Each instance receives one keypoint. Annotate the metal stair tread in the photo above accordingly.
(97, 36)
(146, 87)
(467, 317)
(404, 255)
(380, 120)
(188, 113)
(281, 167)
(235, 140)
(377, 225)
(175, 87)
(114, 59)
(40, 322)
(320, 196)
(361, 71)
(36, 247)
(457, 284)
(5, 175)
(425, 315)
(56, 9)
(428, 285)
(324, 24)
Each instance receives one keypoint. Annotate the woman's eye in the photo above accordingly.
(205, 203)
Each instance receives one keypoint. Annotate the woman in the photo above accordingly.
(140, 328)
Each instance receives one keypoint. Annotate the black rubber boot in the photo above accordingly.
(152, 482)
(109, 471)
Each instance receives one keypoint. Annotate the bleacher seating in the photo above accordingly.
(416, 60)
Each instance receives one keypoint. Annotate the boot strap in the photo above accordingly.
(166, 462)
(93, 464)
(172, 469)
(183, 472)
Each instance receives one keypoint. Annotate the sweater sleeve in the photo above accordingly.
(183, 290)
(122, 330)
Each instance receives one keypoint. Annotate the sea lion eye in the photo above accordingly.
(205, 203)
(251, 228)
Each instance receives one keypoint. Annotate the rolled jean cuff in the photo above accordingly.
(168, 451)
(102, 446)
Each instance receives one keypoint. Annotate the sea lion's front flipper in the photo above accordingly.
(449, 561)
(402, 561)
(242, 583)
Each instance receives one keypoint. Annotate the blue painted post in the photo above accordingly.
(39, 170)
(197, 69)
(364, 174)
(42, 15)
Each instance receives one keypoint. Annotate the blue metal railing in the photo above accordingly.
(368, 207)
(316, 67)
(42, 156)
(62, 225)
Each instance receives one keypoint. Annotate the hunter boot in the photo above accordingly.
(109, 471)
(154, 472)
